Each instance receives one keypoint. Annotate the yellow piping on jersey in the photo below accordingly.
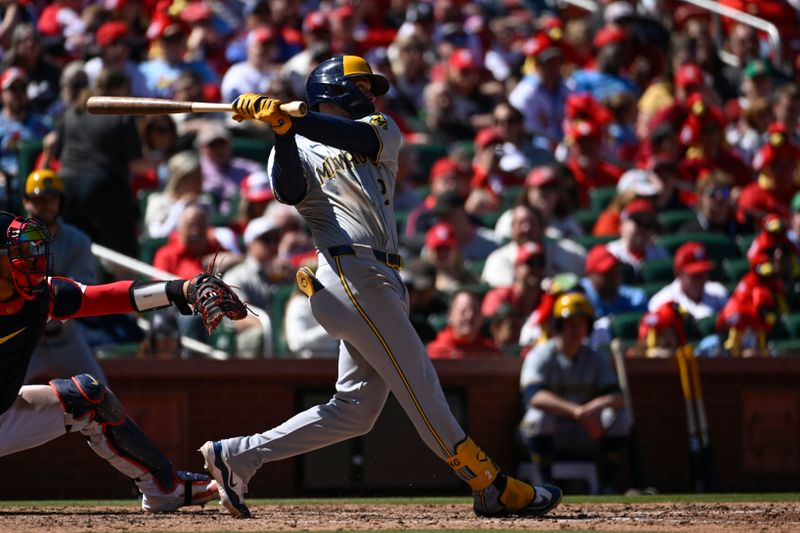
(380, 144)
(350, 295)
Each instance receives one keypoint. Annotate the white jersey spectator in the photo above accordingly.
(692, 289)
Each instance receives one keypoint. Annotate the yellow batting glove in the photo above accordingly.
(270, 113)
(247, 105)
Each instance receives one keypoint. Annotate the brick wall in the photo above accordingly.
(753, 408)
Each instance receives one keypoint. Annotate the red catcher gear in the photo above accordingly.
(27, 243)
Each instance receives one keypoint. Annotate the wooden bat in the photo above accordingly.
(709, 463)
(695, 447)
(634, 456)
(130, 105)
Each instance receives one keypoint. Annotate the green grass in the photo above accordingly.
(660, 498)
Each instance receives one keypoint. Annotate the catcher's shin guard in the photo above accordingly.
(91, 408)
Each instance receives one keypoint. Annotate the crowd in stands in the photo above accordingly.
(547, 150)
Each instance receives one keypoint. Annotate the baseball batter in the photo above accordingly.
(31, 415)
(337, 165)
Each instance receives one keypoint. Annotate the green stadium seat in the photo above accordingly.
(658, 270)
(223, 338)
(629, 274)
(476, 267)
(586, 218)
(478, 288)
(791, 324)
(489, 220)
(438, 321)
(427, 154)
(251, 148)
(719, 247)
(277, 312)
(651, 287)
(600, 197)
(734, 269)
(589, 241)
(148, 247)
(787, 347)
(509, 196)
(672, 220)
(28, 154)
(743, 241)
(626, 325)
(699, 329)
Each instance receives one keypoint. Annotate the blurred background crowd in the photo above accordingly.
(642, 153)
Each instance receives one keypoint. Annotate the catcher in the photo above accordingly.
(31, 415)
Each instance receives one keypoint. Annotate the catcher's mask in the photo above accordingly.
(331, 82)
(27, 244)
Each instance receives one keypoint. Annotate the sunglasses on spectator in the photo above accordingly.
(719, 194)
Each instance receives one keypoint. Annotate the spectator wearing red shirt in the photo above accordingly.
(703, 135)
(446, 175)
(586, 160)
(776, 164)
(462, 337)
(525, 293)
(191, 248)
(752, 311)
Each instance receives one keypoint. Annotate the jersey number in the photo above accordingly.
(383, 191)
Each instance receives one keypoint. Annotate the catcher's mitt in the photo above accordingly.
(213, 299)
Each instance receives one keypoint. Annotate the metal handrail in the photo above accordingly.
(758, 23)
(773, 35)
(139, 267)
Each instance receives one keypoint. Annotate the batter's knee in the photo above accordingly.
(85, 399)
(361, 415)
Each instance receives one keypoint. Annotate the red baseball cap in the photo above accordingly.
(638, 206)
(542, 47)
(600, 260)
(487, 136)
(608, 35)
(689, 75)
(315, 21)
(110, 32)
(443, 167)
(527, 251)
(463, 59)
(256, 187)
(195, 12)
(10, 75)
(260, 35)
(540, 176)
(691, 258)
(441, 235)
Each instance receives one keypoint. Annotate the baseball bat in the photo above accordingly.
(709, 463)
(695, 452)
(130, 105)
(634, 457)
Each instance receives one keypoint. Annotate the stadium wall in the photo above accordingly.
(753, 408)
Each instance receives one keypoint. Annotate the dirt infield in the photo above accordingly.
(706, 517)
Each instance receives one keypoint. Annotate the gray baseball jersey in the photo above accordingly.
(349, 197)
(365, 303)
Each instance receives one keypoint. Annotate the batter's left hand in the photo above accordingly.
(261, 108)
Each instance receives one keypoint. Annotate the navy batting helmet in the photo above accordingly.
(331, 82)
